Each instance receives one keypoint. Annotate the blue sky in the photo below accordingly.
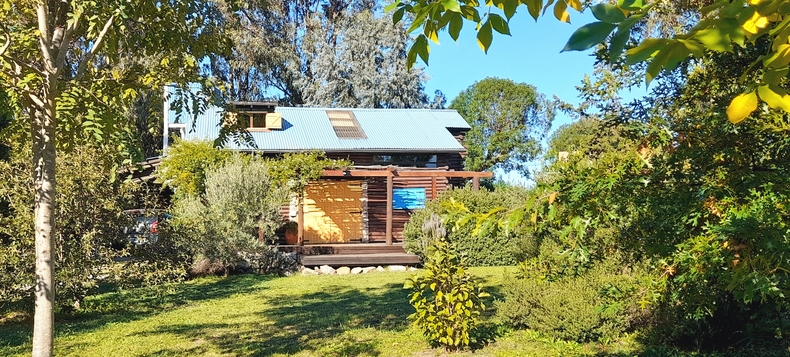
(531, 55)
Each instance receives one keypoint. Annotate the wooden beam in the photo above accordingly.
(300, 219)
(433, 188)
(405, 173)
(389, 210)
(475, 183)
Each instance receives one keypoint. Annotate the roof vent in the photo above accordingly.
(345, 124)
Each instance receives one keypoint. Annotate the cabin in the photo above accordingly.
(401, 158)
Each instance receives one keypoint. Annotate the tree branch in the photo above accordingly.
(43, 36)
(94, 49)
(23, 64)
(7, 43)
(64, 43)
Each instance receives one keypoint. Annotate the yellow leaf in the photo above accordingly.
(755, 23)
(741, 107)
(534, 218)
(775, 97)
(575, 4)
(560, 11)
(755, 2)
(552, 197)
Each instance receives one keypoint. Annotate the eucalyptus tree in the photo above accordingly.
(73, 66)
(337, 53)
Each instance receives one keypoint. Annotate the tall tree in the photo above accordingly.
(508, 122)
(318, 53)
(73, 66)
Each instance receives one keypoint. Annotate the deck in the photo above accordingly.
(352, 254)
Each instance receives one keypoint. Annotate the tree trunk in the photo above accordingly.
(43, 132)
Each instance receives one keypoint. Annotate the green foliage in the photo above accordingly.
(702, 28)
(482, 246)
(508, 122)
(88, 212)
(447, 299)
(586, 305)
(296, 170)
(238, 212)
(185, 166)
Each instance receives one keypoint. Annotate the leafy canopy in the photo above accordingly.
(508, 121)
(721, 26)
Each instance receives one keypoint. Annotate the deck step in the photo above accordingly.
(353, 260)
(344, 249)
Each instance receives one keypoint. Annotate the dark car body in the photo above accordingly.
(143, 225)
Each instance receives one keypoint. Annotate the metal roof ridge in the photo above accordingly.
(366, 109)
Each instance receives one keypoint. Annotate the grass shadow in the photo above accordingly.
(130, 305)
(315, 321)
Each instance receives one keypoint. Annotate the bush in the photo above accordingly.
(446, 298)
(598, 304)
(492, 249)
(237, 214)
(87, 214)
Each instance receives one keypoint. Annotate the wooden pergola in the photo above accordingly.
(391, 172)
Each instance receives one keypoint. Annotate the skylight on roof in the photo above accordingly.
(345, 124)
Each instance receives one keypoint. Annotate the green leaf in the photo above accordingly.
(774, 76)
(451, 5)
(456, 23)
(398, 15)
(696, 48)
(629, 22)
(534, 7)
(741, 107)
(780, 58)
(588, 36)
(499, 24)
(485, 36)
(618, 44)
(509, 7)
(470, 13)
(419, 20)
(714, 39)
(645, 50)
(631, 4)
(608, 13)
(392, 6)
(423, 50)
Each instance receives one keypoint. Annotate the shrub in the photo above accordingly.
(186, 164)
(447, 299)
(484, 249)
(598, 304)
(237, 214)
(87, 213)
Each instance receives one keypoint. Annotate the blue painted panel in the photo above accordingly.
(408, 198)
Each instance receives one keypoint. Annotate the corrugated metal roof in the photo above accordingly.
(387, 130)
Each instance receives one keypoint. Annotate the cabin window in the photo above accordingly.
(406, 160)
(256, 120)
(345, 124)
(252, 120)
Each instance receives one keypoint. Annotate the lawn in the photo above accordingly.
(252, 315)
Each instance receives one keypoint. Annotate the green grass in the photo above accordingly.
(252, 315)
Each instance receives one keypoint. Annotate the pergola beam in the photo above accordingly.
(405, 173)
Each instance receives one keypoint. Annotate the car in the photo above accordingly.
(143, 225)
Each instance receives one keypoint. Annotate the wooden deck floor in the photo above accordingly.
(352, 254)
